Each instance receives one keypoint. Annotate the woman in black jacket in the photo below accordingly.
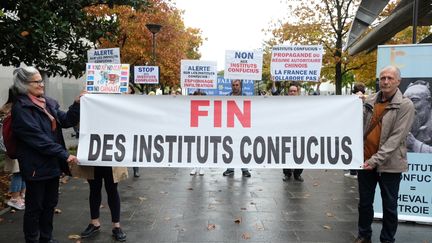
(41, 151)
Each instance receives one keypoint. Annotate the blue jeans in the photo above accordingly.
(389, 186)
(17, 183)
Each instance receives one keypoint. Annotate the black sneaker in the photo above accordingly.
(286, 177)
(246, 173)
(228, 173)
(118, 234)
(299, 178)
(362, 240)
(90, 230)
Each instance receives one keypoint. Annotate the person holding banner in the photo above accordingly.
(420, 138)
(236, 90)
(131, 91)
(110, 176)
(40, 149)
(387, 120)
(293, 90)
(359, 89)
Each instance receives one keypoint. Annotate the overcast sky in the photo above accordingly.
(230, 24)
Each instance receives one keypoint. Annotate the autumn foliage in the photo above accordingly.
(173, 42)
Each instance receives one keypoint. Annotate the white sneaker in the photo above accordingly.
(193, 172)
(16, 203)
(350, 176)
(201, 171)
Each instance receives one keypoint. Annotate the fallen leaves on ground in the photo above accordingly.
(211, 226)
(329, 214)
(259, 227)
(238, 220)
(316, 184)
(243, 209)
(64, 179)
(57, 211)
(190, 189)
(142, 199)
(327, 227)
(246, 236)
(74, 237)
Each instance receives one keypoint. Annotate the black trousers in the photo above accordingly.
(95, 198)
(389, 186)
(297, 172)
(41, 199)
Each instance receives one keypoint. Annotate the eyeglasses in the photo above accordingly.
(39, 82)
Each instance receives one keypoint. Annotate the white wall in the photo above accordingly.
(64, 90)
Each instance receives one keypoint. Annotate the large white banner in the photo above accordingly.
(243, 65)
(227, 131)
(296, 63)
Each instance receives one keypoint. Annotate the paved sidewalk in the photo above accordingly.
(169, 205)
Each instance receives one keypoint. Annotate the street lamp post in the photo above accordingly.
(154, 29)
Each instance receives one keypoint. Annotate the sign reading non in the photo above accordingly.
(243, 65)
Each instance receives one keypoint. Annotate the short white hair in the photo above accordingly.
(393, 68)
(21, 77)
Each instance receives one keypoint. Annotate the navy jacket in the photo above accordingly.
(41, 152)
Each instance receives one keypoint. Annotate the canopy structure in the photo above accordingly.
(399, 19)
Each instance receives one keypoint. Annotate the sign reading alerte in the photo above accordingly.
(296, 63)
(110, 55)
(198, 74)
(243, 65)
(146, 74)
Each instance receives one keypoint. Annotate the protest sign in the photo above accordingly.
(243, 65)
(198, 74)
(146, 74)
(221, 131)
(224, 87)
(109, 55)
(107, 78)
(296, 63)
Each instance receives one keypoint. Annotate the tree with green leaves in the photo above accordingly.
(54, 36)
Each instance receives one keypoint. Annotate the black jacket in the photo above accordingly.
(41, 152)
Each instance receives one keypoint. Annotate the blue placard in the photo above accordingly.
(224, 88)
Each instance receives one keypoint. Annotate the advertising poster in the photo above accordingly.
(109, 55)
(224, 87)
(296, 63)
(243, 65)
(107, 78)
(146, 74)
(198, 74)
(415, 194)
(221, 131)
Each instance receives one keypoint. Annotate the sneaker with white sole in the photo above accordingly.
(16, 203)
(201, 171)
(193, 172)
(349, 175)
